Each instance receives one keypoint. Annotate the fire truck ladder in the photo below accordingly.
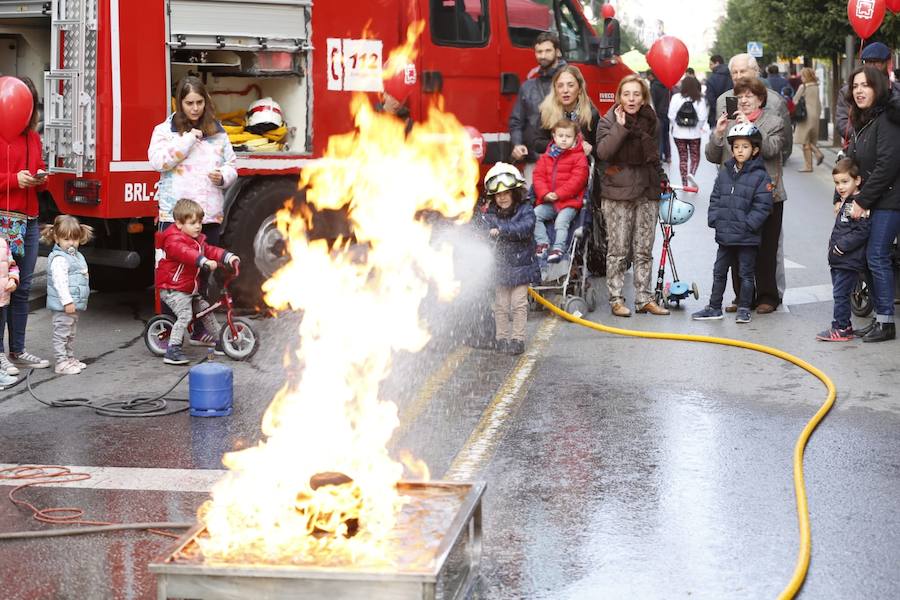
(70, 87)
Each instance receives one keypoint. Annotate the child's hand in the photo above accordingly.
(211, 265)
(197, 133)
(234, 260)
(494, 233)
(69, 308)
(11, 285)
(551, 197)
(216, 177)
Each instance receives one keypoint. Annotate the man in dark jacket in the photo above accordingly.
(879, 56)
(775, 81)
(717, 83)
(661, 97)
(525, 119)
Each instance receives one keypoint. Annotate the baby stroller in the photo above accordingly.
(672, 211)
(567, 281)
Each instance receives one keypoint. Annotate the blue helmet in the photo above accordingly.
(682, 210)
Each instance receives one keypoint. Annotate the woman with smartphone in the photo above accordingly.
(749, 106)
(631, 181)
(19, 187)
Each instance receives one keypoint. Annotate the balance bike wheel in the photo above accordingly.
(861, 302)
(157, 332)
(240, 344)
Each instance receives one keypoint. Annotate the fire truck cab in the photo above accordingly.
(107, 70)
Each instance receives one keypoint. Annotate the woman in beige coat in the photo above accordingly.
(807, 132)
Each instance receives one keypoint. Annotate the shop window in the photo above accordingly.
(460, 22)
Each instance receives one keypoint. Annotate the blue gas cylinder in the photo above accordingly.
(211, 390)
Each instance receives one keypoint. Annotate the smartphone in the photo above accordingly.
(41, 175)
(731, 103)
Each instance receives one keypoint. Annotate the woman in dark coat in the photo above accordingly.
(875, 145)
(628, 144)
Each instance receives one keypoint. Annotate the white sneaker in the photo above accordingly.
(80, 364)
(6, 380)
(66, 367)
(7, 366)
(28, 360)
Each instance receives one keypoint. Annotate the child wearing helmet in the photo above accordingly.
(509, 221)
(560, 180)
(740, 203)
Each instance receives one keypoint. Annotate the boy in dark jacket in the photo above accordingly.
(181, 252)
(560, 179)
(740, 202)
(846, 250)
(509, 220)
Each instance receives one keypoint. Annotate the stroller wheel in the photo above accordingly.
(576, 306)
(695, 290)
(591, 297)
(156, 334)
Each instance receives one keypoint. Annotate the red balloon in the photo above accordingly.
(15, 108)
(668, 57)
(608, 11)
(865, 16)
(479, 148)
(893, 5)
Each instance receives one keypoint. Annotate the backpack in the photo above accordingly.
(800, 110)
(686, 115)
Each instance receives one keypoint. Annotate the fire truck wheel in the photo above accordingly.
(250, 232)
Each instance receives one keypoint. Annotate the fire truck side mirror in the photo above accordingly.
(610, 41)
(509, 84)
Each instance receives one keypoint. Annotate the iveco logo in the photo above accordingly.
(607, 97)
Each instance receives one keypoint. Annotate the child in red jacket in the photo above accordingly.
(181, 252)
(560, 179)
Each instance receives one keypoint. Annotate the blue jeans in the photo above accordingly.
(561, 222)
(842, 284)
(15, 316)
(745, 258)
(885, 227)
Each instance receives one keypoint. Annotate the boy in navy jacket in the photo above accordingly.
(740, 203)
(846, 250)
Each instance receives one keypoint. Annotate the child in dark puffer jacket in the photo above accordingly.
(846, 250)
(560, 179)
(509, 221)
(740, 203)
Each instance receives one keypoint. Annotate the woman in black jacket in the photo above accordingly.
(875, 145)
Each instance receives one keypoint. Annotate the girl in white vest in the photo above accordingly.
(67, 286)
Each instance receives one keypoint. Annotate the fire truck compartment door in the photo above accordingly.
(24, 8)
(281, 25)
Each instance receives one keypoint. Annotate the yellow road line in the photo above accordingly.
(434, 382)
(496, 418)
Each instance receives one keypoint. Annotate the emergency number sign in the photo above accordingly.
(354, 65)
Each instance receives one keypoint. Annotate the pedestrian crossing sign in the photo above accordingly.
(755, 49)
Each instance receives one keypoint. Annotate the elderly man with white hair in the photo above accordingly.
(744, 65)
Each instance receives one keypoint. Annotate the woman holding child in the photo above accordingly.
(569, 100)
(875, 145)
(752, 95)
(628, 143)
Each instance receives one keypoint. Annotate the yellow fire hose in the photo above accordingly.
(803, 553)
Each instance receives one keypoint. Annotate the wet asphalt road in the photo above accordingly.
(620, 468)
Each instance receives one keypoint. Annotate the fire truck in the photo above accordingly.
(107, 70)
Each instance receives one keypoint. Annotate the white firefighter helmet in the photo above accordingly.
(264, 115)
(502, 177)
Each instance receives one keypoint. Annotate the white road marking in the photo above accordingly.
(135, 478)
(808, 294)
(497, 417)
(789, 264)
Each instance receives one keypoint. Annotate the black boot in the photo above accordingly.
(865, 330)
(881, 333)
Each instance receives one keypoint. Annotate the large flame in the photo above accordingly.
(360, 305)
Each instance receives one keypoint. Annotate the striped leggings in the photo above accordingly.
(688, 149)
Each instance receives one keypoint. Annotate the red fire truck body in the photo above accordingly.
(108, 67)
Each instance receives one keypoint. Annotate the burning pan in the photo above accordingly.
(438, 545)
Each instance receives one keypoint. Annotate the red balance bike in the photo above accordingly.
(238, 339)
